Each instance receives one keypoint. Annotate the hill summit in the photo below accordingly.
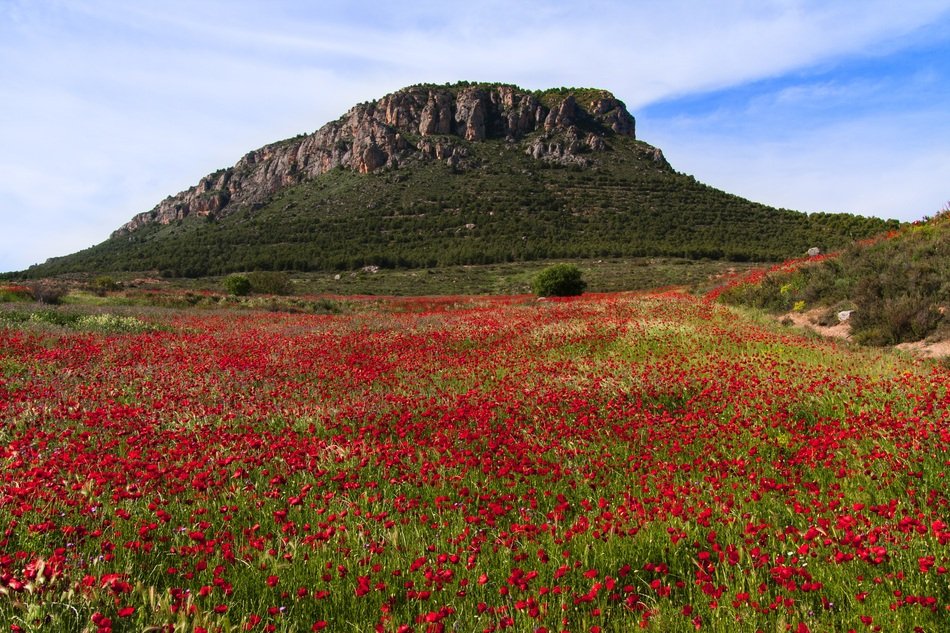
(417, 123)
(443, 175)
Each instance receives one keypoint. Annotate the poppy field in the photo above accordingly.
(603, 463)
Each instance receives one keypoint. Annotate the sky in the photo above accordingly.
(109, 106)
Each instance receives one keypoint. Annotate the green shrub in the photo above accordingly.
(53, 317)
(559, 280)
(899, 287)
(774, 293)
(237, 285)
(103, 284)
(270, 282)
(104, 323)
(111, 324)
(895, 319)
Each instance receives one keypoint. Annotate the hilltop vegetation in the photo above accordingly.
(893, 290)
(510, 208)
(436, 176)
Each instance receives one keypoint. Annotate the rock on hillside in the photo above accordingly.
(416, 123)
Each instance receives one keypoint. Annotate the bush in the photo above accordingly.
(237, 285)
(895, 319)
(49, 292)
(559, 280)
(103, 284)
(898, 286)
(111, 324)
(270, 283)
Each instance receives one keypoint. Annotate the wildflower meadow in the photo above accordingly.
(600, 463)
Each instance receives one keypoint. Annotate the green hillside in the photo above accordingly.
(508, 207)
(894, 289)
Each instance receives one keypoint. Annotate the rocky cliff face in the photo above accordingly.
(417, 123)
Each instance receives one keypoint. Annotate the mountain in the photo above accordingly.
(455, 174)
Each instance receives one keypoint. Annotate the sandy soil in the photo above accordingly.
(935, 349)
(810, 320)
(938, 349)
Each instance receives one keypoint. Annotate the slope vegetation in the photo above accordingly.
(498, 176)
(891, 290)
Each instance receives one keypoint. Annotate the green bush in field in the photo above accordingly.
(270, 282)
(110, 323)
(559, 280)
(237, 285)
(103, 284)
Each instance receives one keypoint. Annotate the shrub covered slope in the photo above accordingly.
(499, 204)
(896, 288)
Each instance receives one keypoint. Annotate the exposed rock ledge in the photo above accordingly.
(375, 135)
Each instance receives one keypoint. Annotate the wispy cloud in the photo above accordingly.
(889, 166)
(112, 105)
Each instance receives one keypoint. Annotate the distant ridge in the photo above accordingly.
(455, 174)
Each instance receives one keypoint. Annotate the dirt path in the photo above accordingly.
(810, 320)
(936, 349)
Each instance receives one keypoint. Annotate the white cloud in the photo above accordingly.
(883, 166)
(112, 105)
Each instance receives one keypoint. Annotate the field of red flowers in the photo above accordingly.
(604, 463)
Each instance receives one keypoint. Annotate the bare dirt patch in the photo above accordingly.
(809, 320)
(933, 349)
(842, 330)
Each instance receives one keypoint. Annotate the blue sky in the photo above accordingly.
(109, 106)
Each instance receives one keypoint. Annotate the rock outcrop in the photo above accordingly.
(417, 123)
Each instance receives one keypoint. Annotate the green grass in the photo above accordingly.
(601, 275)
